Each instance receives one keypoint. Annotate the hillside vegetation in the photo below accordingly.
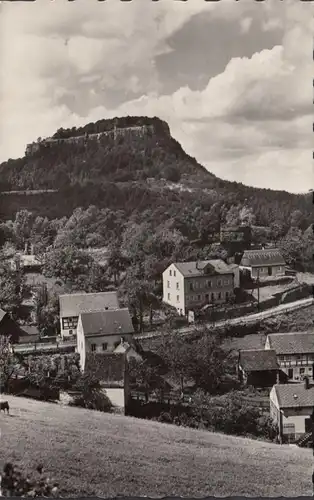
(90, 453)
(136, 173)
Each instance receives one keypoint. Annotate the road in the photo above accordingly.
(249, 318)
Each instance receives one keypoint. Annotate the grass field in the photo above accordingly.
(91, 453)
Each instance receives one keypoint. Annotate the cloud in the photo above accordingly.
(65, 64)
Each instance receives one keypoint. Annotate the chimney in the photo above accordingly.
(197, 265)
(306, 383)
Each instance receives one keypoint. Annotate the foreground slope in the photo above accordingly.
(91, 453)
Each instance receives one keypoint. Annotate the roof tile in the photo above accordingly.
(253, 360)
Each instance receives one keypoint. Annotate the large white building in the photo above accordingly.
(189, 285)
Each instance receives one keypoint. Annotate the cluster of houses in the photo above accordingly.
(287, 365)
(190, 285)
(102, 333)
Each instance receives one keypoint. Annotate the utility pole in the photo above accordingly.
(258, 292)
(312, 418)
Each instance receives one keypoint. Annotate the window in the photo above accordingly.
(68, 323)
(168, 296)
(226, 282)
(191, 287)
(302, 371)
(177, 286)
(196, 284)
(104, 346)
(209, 283)
(219, 295)
(227, 295)
(198, 297)
(178, 298)
(170, 273)
(93, 347)
(279, 268)
(168, 284)
(174, 273)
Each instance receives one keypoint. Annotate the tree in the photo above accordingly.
(177, 354)
(117, 263)
(145, 376)
(211, 361)
(12, 286)
(48, 315)
(297, 219)
(247, 216)
(74, 267)
(233, 216)
(22, 227)
(8, 364)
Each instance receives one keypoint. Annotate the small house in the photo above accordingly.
(102, 331)
(295, 353)
(291, 407)
(263, 263)
(72, 305)
(9, 327)
(258, 367)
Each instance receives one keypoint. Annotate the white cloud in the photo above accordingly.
(253, 116)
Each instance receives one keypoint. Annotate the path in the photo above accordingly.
(249, 318)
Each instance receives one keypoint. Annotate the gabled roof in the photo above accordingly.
(294, 395)
(2, 314)
(255, 360)
(266, 257)
(197, 268)
(107, 322)
(108, 368)
(75, 303)
(292, 342)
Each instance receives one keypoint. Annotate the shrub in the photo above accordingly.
(94, 400)
(165, 417)
(14, 483)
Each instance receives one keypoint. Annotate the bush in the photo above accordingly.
(165, 417)
(14, 483)
(94, 400)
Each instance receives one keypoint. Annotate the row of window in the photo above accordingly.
(207, 297)
(265, 269)
(69, 323)
(201, 284)
(299, 357)
(104, 346)
(174, 273)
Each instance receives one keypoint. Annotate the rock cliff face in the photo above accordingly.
(129, 163)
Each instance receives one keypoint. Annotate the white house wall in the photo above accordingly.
(173, 288)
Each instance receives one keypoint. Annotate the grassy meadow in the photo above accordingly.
(91, 453)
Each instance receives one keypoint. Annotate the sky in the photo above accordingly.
(233, 79)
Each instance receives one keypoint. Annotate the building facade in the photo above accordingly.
(72, 305)
(291, 407)
(102, 331)
(295, 353)
(191, 285)
(263, 263)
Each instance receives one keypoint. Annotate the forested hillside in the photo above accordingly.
(148, 174)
